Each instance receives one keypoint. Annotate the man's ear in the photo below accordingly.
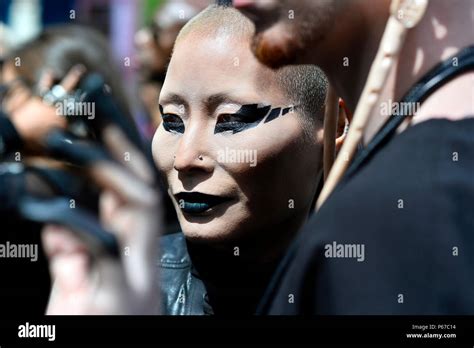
(343, 122)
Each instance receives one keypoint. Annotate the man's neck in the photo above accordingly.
(352, 46)
(446, 28)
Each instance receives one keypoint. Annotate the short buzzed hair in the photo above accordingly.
(305, 85)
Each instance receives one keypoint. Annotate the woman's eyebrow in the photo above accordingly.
(173, 98)
(213, 101)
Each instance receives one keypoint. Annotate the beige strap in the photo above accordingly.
(405, 14)
(330, 128)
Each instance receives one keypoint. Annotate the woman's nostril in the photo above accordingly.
(190, 162)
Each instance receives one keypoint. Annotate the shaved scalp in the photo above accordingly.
(218, 21)
(305, 85)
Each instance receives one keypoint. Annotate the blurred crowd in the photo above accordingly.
(58, 63)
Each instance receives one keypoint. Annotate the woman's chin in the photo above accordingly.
(219, 224)
(214, 231)
(211, 229)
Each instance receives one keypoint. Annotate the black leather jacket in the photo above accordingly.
(182, 291)
(224, 284)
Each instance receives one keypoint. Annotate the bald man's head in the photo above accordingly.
(304, 85)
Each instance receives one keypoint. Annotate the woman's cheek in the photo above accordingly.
(163, 145)
(262, 146)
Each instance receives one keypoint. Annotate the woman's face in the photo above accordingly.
(231, 147)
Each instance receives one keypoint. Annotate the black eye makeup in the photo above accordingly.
(248, 116)
(274, 113)
(171, 122)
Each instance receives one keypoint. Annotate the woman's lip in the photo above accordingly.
(196, 203)
(197, 196)
(190, 215)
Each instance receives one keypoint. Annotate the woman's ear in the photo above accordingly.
(343, 122)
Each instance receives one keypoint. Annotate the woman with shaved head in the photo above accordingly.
(240, 148)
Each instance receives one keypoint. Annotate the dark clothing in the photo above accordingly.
(183, 293)
(411, 207)
(9, 138)
(198, 280)
(397, 234)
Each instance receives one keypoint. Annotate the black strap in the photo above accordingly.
(434, 79)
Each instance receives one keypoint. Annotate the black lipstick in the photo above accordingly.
(197, 203)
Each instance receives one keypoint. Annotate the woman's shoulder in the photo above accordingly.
(183, 293)
(173, 251)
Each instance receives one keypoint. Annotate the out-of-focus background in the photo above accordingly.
(140, 35)
(53, 34)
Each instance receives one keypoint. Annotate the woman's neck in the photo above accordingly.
(236, 274)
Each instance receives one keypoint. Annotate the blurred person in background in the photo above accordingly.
(154, 45)
(47, 59)
(59, 56)
(4, 45)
